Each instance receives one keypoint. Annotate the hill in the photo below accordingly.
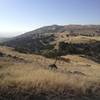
(2, 39)
(80, 39)
(28, 77)
(25, 72)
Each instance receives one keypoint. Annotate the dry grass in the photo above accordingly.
(47, 83)
(32, 80)
(77, 39)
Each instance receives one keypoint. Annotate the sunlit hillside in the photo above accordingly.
(28, 77)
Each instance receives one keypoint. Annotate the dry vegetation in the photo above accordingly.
(76, 39)
(27, 77)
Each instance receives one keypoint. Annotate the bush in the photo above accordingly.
(1, 54)
(21, 50)
(50, 53)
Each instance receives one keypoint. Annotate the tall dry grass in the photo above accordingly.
(47, 83)
(31, 81)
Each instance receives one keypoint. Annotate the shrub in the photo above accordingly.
(1, 54)
(50, 53)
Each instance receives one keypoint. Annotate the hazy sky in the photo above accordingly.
(18, 16)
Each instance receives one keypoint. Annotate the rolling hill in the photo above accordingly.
(46, 35)
(80, 39)
(24, 65)
(3, 39)
(28, 77)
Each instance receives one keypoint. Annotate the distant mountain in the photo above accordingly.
(3, 39)
(45, 37)
(36, 40)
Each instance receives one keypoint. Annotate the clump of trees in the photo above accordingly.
(21, 50)
(88, 49)
(92, 50)
(50, 53)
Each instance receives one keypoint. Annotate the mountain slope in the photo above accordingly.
(36, 40)
(46, 37)
(2, 39)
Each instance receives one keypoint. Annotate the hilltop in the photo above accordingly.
(46, 35)
(79, 39)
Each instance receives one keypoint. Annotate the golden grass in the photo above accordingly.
(18, 79)
(46, 80)
(76, 39)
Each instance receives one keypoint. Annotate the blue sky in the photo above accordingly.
(19, 16)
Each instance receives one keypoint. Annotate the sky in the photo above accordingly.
(19, 16)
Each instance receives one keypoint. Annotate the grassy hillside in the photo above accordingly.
(35, 41)
(27, 77)
(25, 72)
